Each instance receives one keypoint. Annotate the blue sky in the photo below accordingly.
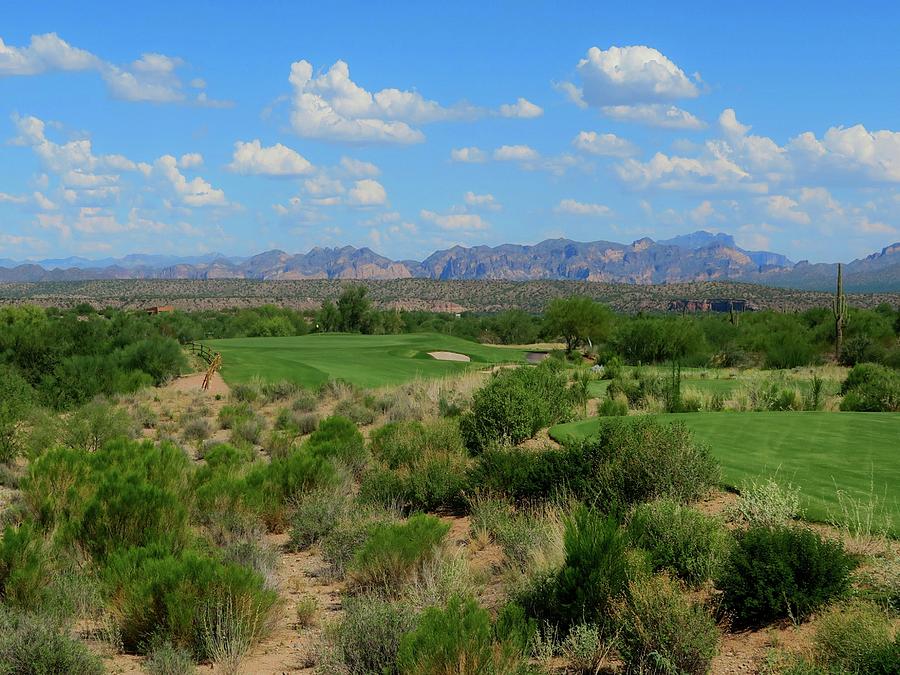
(407, 127)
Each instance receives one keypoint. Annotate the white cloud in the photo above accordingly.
(522, 108)
(874, 155)
(471, 155)
(45, 53)
(629, 75)
(687, 173)
(607, 145)
(367, 192)
(190, 160)
(357, 167)
(486, 201)
(573, 207)
(869, 227)
(702, 213)
(654, 115)
(196, 192)
(322, 185)
(455, 221)
(252, 158)
(515, 153)
(785, 209)
(12, 199)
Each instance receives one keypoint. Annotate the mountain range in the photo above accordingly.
(699, 256)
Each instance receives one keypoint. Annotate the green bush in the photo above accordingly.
(95, 424)
(231, 414)
(158, 596)
(870, 387)
(773, 573)
(643, 460)
(661, 631)
(392, 553)
(356, 411)
(304, 401)
(458, 639)
(613, 407)
(245, 392)
(680, 539)
(338, 439)
(368, 637)
(767, 503)
(23, 566)
(248, 430)
(278, 391)
(514, 405)
(159, 357)
(33, 645)
(166, 659)
(593, 575)
(16, 397)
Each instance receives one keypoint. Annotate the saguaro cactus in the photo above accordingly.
(839, 309)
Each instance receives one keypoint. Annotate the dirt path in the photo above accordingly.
(192, 383)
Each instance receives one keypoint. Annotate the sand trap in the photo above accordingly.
(192, 383)
(536, 357)
(448, 356)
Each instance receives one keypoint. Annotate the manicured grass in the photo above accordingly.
(820, 452)
(364, 360)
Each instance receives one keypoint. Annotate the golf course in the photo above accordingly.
(818, 452)
(363, 360)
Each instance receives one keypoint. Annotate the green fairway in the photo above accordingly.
(364, 360)
(819, 452)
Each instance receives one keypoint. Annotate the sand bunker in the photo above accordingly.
(448, 356)
(536, 357)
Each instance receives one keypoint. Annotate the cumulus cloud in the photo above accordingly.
(629, 75)
(708, 173)
(196, 192)
(654, 115)
(515, 153)
(367, 192)
(470, 155)
(486, 201)
(606, 145)
(190, 160)
(785, 209)
(357, 167)
(12, 199)
(251, 158)
(151, 78)
(522, 108)
(576, 208)
(466, 222)
(874, 155)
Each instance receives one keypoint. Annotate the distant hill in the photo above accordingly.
(697, 257)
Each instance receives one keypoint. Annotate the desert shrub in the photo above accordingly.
(167, 659)
(766, 503)
(248, 430)
(367, 639)
(304, 401)
(245, 392)
(96, 423)
(279, 443)
(307, 423)
(520, 533)
(661, 631)
(338, 439)
(644, 460)
(30, 644)
(857, 638)
(23, 566)
(278, 391)
(296, 423)
(128, 510)
(870, 387)
(159, 596)
(514, 405)
(307, 607)
(317, 514)
(392, 553)
(613, 407)
(401, 443)
(16, 397)
(355, 411)
(680, 539)
(457, 638)
(773, 573)
(43, 431)
(196, 429)
(584, 648)
(231, 414)
(593, 575)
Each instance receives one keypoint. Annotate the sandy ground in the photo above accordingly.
(448, 356)
(536, 357)
(192, 383)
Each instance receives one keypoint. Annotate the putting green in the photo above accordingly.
(364, 360)
(819, 452)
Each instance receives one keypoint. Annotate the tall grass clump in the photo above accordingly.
(32, 643)
(766, 503)
(857, 637)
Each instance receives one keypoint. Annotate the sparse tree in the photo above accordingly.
(578, 320)
(353, 309)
